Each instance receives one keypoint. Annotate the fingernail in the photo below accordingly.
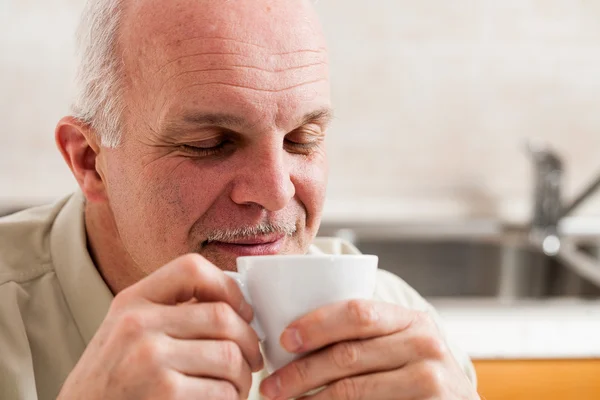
(261, 364)
(271, 387)
(291, 340)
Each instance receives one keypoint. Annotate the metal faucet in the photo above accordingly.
(548, 204)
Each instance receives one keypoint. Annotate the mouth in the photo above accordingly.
(252, 246)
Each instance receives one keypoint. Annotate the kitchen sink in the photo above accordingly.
(489, 264)
(477, 268)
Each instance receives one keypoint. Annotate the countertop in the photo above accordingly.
(489, 329)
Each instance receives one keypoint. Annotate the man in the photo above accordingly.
(197, 136)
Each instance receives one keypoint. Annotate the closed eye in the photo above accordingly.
(305, 147)
(304, 140)
(206, 151)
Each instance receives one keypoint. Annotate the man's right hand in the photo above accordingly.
(182, 332)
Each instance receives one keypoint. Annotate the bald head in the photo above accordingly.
(132, 49)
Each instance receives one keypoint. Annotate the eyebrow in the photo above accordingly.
(323, 116)
(174, 128)
(214, 119)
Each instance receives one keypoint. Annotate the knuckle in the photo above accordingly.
(167, 386)
(147, 353)
(301, 369)
(131, 325)
(319, 317)
(122, 300)
(429, 377)
(225, 391)
(190, 265)
(429, 346)
(346, 355)
(223, 316)
(230, 354)
(192, 259)
(362, 313)
(346, 389)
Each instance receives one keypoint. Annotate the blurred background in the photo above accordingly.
(465, 153)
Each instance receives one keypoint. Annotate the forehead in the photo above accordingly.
(239, 54)
(284, 25)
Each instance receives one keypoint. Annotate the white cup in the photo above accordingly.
(283, 288)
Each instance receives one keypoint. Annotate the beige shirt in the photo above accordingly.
(52, 299)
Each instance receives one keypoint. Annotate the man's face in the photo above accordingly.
(223, 146)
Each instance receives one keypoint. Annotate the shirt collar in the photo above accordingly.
(86, 293)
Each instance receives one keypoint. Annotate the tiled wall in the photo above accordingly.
(434, 100)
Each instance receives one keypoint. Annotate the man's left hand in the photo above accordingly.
(368, 350)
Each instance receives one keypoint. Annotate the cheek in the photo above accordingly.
(182, 191)
(310, 181)
(165, 195)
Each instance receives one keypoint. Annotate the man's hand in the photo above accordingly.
(181, 333)
(369, 351)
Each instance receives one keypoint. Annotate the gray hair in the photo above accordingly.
(99, 88)
(287, 228)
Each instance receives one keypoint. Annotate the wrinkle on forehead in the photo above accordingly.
(196, 49)
(268, 75)
(196, 59)
(257, 70)
(320, 57)
(182, 41)
(169, 29)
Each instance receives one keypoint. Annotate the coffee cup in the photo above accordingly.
(282, 288)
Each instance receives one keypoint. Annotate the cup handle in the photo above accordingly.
(237, 277)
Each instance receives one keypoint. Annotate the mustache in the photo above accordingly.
(245, 232)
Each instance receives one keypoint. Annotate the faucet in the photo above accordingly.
(548, 205)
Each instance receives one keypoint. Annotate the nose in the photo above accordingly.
(265, 179)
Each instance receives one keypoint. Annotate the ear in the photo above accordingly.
(78, 145)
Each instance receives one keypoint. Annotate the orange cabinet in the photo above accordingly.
(577, 379)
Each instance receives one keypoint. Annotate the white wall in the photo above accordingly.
(36, 70)
(434, 99)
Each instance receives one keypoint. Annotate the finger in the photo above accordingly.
(217, 359)
(185, 387)
(354, 319)
(216, 321)
(390, 385)
(352, 358)
(190, 277)
(421, 380)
